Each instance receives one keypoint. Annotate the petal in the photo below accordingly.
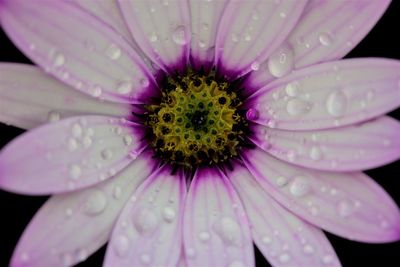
(283, 238)
(215, 227)
(94, 60)
(29, 98)
(327, 30)
(205, 17)
(350, 205)
(250, 31)
(356, 147)
(70, 227)
(67, 155)
(148, 231)
(162, 30)
(329, 95)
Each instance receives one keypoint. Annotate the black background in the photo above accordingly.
(383, 41)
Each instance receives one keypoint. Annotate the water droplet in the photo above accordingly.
(76, 130)
(53, 116)
(169, 214)
(153, 37)
(204, 236)
(284, 258)
(106, 154)
(113, 52)
(292, 89)
(255, 66)
(281, 181)
(72, 144)
(325, 38)
(252, 114)
(121, 245)
(24, 257)
(95, 203)
(87, 141)
(75, 171)
(144, 82)
(336, 103)
(145, 258)
(146, 221)
(235, 38)
(247, 37)
(128, 140)
(179, 35)
(266, 240)
(281, 62)
(58, 59)
(190, 252)
(67, 259)
(229, 231)
(315, 153)
(237, 264)
(117, 192)
(95, 91)
(124, 87)
(308, 249)
(282, 15)
(82, 255)
(344, 209)
(299, 187)
(327, 259)
(296, 107)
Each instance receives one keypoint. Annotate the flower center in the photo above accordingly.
(198, 121)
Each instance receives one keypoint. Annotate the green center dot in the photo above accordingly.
(198, 121)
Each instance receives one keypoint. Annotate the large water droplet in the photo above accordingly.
(113, 52)
(124, 87)
(281, 62)
(95, 203)
(336, 103)
(121, 245)
(292, 89)
(179, 35)
(169, 214)
(325, 38)
(299, 187)
(297, 107)
(229, 231)
(75, 171)
(145, 221)
(58, 59)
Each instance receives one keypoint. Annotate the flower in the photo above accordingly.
(294, 128)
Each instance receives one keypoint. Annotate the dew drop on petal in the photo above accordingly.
(284, 258)
(179, 35)
(266, 240)
(255, 66)
(113, 52)
(76, 130)
(117, 192)
(299, 187)
(229, 231)
(153, 37)
(204, 236)
(75, 171)
(190, 252)
(336, 103)
(124, 87)
(281, 181)
(308, 249)
(67, 259)
(281, 62)
(145, 221)
(344, 209)
(292, 89)
(58, 59)
(327, 259)
(95, 203)
(95, 91)
(53, 116)
(127, 140)
(72, 144)
(121, 245)
(315, 153)
(169, 214)
(252, 114)
(144, 82)
(325, 38)
(297, 107)
(106, 154)
(145, 258)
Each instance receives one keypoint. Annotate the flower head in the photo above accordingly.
(182, 132)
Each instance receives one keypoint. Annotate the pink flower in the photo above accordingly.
(184, 131)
